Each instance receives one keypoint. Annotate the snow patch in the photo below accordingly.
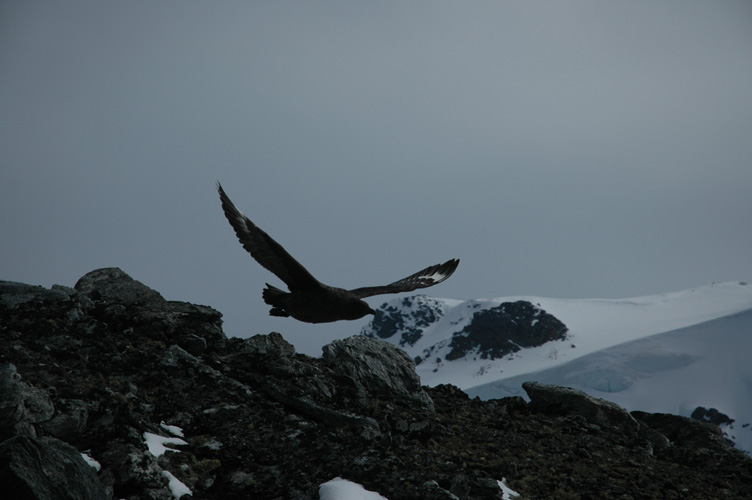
(91, 462)
(507, 493)
(156, 443)
(342, 489)
(177, 487)
(172, 429)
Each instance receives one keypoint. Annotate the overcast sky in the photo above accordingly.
(563, 149)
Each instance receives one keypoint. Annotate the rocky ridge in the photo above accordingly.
(109, 368)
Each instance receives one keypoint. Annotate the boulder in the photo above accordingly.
(711, 415)
(377, 368)
(21, 405)
(555, 400)
(46, 469)
(686, 432)
(111, 285)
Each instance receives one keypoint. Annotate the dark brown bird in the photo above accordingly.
(310, 300)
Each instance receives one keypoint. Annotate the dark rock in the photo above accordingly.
(70, 419)
(432, 491)
(655, 441)
(46, 469)
(121, 300)
(267, 347)
(21, 405)
(193, 344)
(554, 400)
(271, 354)
(712, 416)
(111, 286)
(686, 432)
(130, 469)
(493, 333)
(14, 295)
(377, 367)
(12, 410)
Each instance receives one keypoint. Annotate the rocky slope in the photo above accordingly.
(111, 369)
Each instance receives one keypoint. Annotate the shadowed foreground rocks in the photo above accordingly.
(98, 367)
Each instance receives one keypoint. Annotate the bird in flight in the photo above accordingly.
(310, 300)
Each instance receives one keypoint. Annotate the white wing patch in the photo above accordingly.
(435, 277)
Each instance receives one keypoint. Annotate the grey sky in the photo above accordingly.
(564, 149)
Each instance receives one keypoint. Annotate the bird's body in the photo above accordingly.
(309, 300)
(318, 305)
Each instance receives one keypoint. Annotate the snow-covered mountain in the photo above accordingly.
(668, 353)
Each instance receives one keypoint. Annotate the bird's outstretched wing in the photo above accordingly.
(265, 250)
(429, 276)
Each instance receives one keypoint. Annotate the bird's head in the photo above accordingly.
(358, 309)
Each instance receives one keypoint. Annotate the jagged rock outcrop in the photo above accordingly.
(504, 329)
(112, 369)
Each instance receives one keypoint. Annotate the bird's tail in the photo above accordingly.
(272, 296)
